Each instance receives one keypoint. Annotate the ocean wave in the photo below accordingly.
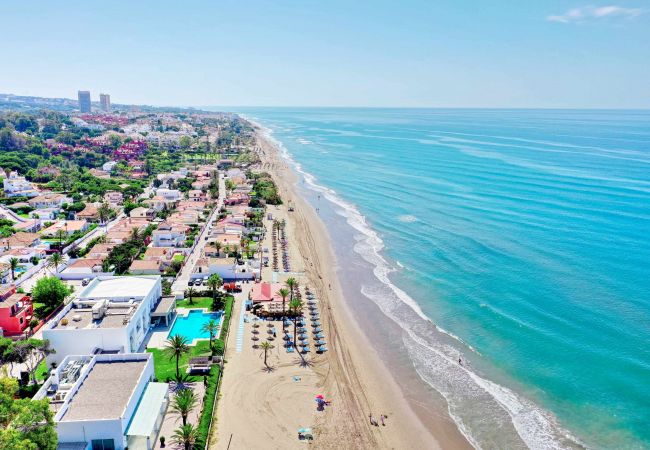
(407, 218)
(483, 410)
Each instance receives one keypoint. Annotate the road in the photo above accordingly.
(179, 286)
(9, 214)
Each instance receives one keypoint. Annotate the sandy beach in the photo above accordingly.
(260, 408)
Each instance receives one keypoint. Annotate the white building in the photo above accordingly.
(17, 186)
(106, 402)
(168, 235)
(111, 314)
(108, 166)
(169, 194)
(49, 200)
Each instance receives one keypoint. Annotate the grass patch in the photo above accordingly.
(178, 257)
(165, 368)
(42, 371)
(199, 302)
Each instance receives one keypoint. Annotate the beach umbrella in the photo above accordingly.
(254, 331)
(318, 335)
(320, 342)
(255, 338)
(317, 330)
(320, 397)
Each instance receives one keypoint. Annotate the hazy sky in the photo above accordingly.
(451, 53)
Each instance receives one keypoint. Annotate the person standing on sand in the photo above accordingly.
(382, 420)
(371, 419)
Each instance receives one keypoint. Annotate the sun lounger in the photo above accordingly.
(321, 349)
(290, 349)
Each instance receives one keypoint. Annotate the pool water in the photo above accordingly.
(191, 325)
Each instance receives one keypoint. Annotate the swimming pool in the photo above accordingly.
(191, 325)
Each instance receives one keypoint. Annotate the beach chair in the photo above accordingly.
(290, 349)
(321, 349)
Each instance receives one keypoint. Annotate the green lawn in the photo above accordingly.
(165, 367)
(179, 257)
(199, 302)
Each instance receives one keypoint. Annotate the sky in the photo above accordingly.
(408, 53)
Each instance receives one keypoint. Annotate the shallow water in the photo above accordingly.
(522, 235)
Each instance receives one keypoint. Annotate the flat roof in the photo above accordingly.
(145, 417)
(120, 287)
(165, 305)
(79, 318)
(106, 391)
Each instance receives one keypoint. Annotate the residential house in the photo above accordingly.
(197, 196)
(145, 267)
(29, 226)
(16, 186)
(169, 194)
(114, 198)
(109, 166)
(100, 251)
(45, 213)
(82, 268)
(20, 240)
(170, 235)
(49, 200)
(106, 402)
(140, 212)
(89, 213)
(16, 311)
(68, 226)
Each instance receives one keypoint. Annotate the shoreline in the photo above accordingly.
(349, 367)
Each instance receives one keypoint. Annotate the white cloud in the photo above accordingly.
(586, 13)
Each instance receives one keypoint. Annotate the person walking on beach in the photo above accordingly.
(382, 417)
(372, 420)
(460, 361)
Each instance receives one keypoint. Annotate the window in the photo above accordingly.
(103, 444)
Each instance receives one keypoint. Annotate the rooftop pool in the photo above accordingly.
(191, 325)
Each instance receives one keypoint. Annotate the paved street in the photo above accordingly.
(180, 284)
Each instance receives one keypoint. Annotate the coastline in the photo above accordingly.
(353, 370)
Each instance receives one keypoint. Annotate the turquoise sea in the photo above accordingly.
(523, 235)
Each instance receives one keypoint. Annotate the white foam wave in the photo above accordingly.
(407, 218)
(466, 392)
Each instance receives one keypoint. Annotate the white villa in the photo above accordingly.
(106, 402)
(112, 314)
(16, 186)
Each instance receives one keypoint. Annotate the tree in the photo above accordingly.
(291, 284)
(176, 346)
(50, 291)
(214, 282)
(218, 246)
(104, 212)
(185, 436)
(283, 292)
(31, 352)
(54, 260)
(266, 346)
(211, 327)
(184, 402)
(295, 306)
(13, 262)
(190, 295)
(25, 424)
(60, 235)
(32, 324)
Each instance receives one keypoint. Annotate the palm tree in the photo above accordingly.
(190, 294)
(104, 212)
(184, 402)
(135, 234)
(60, 234)
(211, 327)
(54, 260)
(214, 282)
(226, 249)
(13, 263)
(291, 284)
(176, 346)
(283, 292)
(266, 346)
(185, 436)
(217, 245)
(295, 306)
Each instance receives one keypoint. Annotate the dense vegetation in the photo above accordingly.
(264, 190)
